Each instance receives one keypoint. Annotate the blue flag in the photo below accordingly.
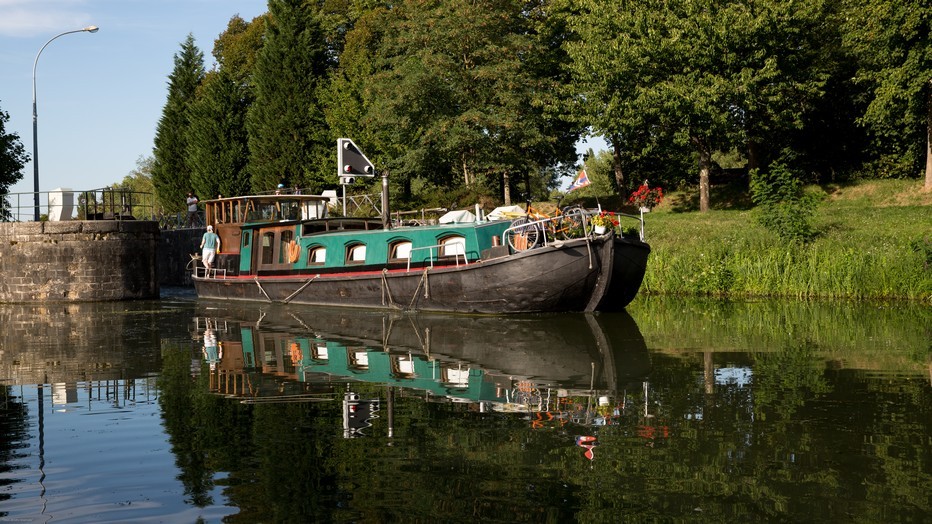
(582, 180)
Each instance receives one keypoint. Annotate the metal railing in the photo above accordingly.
(106, 203)
(458, 249)
(544, 229)
(203, 272)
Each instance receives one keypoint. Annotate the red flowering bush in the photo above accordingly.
(646, 196)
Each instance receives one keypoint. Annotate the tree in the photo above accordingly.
(237, 48)
(468, 92)
(171, 174)
(703, 74)
(217, 152)
(288, 140)
(138, 184)
(12, 159)
(892, 42)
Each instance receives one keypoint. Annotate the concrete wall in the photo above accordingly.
(77, 261)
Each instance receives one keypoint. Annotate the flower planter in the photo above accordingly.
(599, 230)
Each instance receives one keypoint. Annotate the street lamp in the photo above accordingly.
(35, 118)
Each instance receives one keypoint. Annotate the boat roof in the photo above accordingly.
(291, 197)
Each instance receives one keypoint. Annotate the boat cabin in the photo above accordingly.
(293, 235)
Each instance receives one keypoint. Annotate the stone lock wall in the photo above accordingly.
(174, 256)
(78, 261)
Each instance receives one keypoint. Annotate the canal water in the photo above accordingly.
(182, 410)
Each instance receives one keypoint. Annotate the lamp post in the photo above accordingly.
(35, 118)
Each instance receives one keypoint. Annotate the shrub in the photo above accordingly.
(782, 204)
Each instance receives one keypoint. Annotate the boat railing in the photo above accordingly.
(203, 272)
(457, 248)
(419, 216)
(543, 226)
(637, 218)
(547, 230)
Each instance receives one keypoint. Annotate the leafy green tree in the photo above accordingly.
(217, 151)
(892, 42)
(467, 93)
(776, 60)
(12, 159)
(288, 141)
(346, 103)
(705, 75)
(171, 174)
(139, 182)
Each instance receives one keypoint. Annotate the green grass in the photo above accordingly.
(874, 241)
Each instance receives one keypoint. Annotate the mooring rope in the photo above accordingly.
(262, 290)
(385, 290)
(426, 284)
(300, 289)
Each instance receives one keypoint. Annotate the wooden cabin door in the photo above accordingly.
(273, 249)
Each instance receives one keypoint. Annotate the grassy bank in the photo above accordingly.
(874, 242)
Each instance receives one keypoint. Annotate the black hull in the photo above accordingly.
(567, 277)
(629, 264)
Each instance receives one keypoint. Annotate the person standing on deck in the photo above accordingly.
(192, 210)
(210, 244)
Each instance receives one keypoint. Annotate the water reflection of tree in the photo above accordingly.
(13, 433)
(273, 461)
(765, 451)
(183, 425)
(785, 380)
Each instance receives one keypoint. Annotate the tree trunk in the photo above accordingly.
(506, 182)
(705, 165)
(466, 177)
(928, 184)
(616, 164)
(753, 155)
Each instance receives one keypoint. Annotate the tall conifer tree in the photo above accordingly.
(217, 151)
(171, 175)
(288, 141)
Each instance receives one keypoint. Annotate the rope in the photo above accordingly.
(424, 281)
(385, 291)
(262, 290)
(300, 289)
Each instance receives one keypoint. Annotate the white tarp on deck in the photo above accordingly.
(505, 213)
(457, 217)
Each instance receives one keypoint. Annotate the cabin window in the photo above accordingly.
(403, 366)
(358, 358)
(246, 237)
(285, 248)
(319, 352)
(456, 377)
(452, 245)
(267, 239)
(316, 256)
(400, 250)
(356, 254)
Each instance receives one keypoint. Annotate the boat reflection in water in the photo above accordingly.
(555, 369)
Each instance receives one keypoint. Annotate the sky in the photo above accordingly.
(100, 95)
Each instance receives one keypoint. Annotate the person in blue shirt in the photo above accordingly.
(210, 244)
